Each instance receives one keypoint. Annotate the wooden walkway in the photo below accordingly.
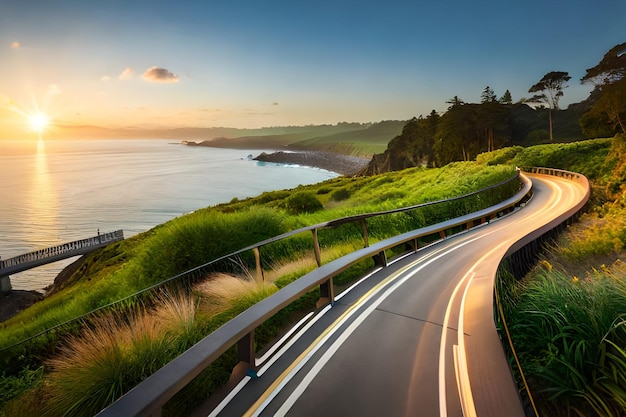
(45, 256)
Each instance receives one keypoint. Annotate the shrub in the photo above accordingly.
(302, 202)
(500, 156)
(15, 386)
(197, 239)
(340, 194)
(323, 190)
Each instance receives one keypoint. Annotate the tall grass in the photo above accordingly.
(111, 355)
(570, 333)
(222, 292)
(115, 353)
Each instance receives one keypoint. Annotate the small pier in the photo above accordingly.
(45, 256)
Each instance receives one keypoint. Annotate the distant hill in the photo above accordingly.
(197, 133)
(361, 142)
(354, 139)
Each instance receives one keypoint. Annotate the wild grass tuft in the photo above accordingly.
(222, 292)
(570, 333)
(115, 353)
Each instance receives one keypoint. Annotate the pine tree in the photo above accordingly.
(506, 98)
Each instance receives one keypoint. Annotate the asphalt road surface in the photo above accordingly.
(414, 339)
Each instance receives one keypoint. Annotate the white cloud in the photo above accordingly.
(105, 78)
(126, 74)
(159, 75)
(15, 45)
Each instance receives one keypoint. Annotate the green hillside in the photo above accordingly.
(345, 138)
(362, 142)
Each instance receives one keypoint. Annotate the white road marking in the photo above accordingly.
(463, 381)
(328, 354)
(443, 407)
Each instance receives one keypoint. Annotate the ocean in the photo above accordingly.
(53, 192)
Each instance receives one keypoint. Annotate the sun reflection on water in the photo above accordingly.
(42, 204)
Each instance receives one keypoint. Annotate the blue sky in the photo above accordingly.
(275, 62)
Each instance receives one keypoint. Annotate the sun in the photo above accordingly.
(38, 122)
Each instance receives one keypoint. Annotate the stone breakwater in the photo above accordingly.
(341, 164)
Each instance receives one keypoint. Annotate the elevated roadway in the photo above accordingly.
(416, 338)
(52, 254)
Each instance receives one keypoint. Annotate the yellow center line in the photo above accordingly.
(260, 403)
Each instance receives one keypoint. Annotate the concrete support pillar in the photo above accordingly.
(5, 285)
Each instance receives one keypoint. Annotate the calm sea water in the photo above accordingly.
(58, 191)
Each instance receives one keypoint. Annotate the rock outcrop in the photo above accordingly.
(342, 164)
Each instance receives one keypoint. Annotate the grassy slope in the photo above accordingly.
(131, 265)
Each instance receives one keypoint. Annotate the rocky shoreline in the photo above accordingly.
(341, 164)
(16, 301)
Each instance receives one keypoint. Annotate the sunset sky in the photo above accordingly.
(284, 62)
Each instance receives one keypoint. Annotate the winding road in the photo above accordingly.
(414, 339)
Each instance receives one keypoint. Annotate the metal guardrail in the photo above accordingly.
(524, 254)
(202, 270)
(562, 219)
(148, 398)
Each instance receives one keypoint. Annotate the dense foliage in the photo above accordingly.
(608, 113)
(467, 129)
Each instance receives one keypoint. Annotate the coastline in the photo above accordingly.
(341, 164)
(139, 215)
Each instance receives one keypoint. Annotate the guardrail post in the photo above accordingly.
(245, 355)
(380, 259)
(316, 248)
(365, 236)
(259, 270)
(327, 293)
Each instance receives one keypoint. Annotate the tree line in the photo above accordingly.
(467, 129)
